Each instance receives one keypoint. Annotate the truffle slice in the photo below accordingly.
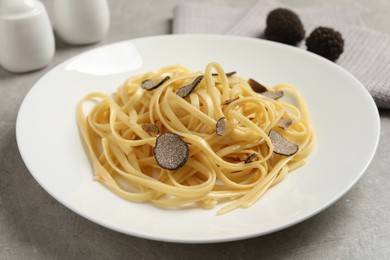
(227, 102)
(281, 145)
(250, 158)
(220, 126)
(228, 74)
(150, 128)
(285, 123)
(187, 89)
(256, 86)
(151, 84)
(170, 152)
(273, 94)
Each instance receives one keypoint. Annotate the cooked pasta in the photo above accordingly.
(225, 125)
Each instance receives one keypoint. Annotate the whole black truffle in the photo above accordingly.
(283, 25)
(326, 42)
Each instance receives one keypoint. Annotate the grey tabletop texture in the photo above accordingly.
(33, 225)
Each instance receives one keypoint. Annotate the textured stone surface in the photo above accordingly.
(35, 226)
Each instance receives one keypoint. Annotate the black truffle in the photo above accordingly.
(151, 128)
(326, 42)
(256, 86)
(281, 145)
(283, 25)
(227, 102)
(170, 152)
(273, 94)
(250, 158)
(285, 123)
(151, 84)
(187, 89)
(220, 126)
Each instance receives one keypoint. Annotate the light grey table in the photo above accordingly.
(35, 226)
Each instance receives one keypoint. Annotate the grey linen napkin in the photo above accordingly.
(366, 52)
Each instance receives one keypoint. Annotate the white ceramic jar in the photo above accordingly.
(26, 36)
(80, 22)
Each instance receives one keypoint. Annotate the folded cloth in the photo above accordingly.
(366, 51)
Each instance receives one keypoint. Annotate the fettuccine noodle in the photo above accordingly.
(217, 171)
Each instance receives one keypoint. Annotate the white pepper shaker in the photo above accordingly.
(26, 36)
(80, 22)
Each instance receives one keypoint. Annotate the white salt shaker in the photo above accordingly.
(26, 36)
(81, 22)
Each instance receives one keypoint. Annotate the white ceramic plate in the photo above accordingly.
(344, 116)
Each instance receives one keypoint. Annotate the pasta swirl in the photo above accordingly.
(238, 166)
